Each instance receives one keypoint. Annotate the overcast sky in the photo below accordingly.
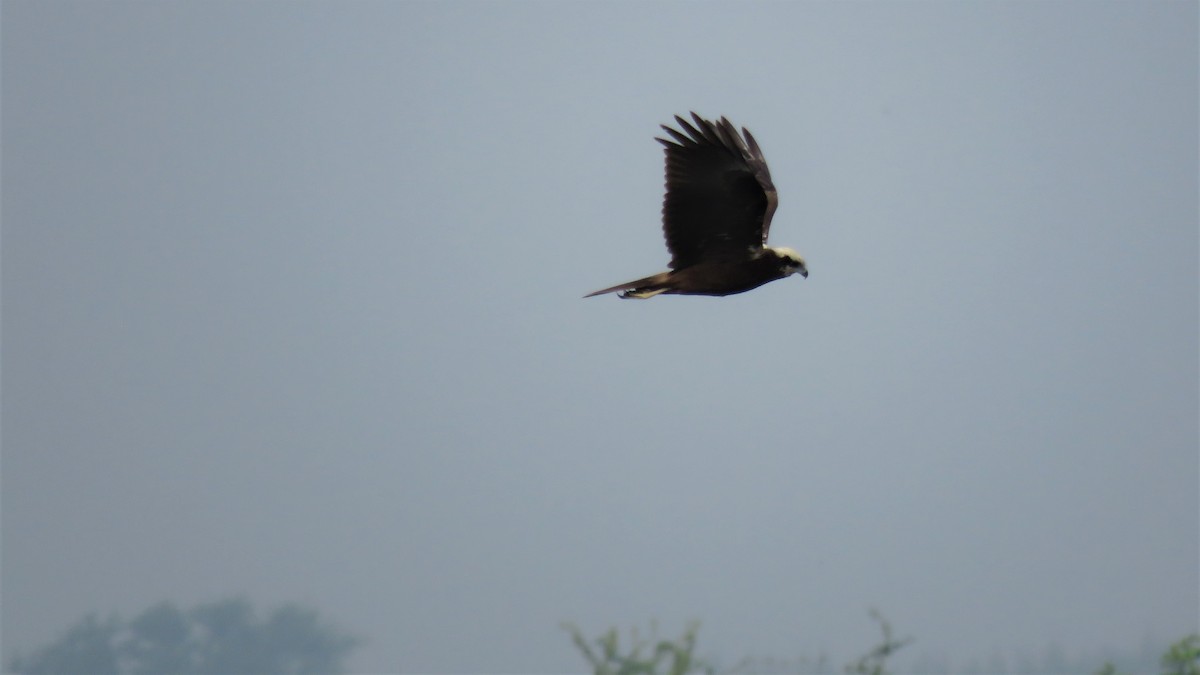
(291, 308)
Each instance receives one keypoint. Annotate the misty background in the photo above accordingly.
(291, 309)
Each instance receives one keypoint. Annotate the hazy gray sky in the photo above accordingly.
(291, 307)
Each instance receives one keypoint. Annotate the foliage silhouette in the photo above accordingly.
(645, 656)
(1183, 657)
(874, 662)
(649, 656)
(606, 655)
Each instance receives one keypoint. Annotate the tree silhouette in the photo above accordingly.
(221, 637)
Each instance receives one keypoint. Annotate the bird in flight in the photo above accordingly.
(716, 216)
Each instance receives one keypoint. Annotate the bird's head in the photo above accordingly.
(790, 262)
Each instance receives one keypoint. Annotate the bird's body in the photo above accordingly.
(716, 215)
(719, 277)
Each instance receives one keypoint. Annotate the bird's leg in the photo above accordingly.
(642, 294)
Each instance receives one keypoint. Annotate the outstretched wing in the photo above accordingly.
(720, 198)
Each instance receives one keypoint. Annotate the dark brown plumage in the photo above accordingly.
(716, 215)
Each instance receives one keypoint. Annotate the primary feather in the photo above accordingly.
(720, 198)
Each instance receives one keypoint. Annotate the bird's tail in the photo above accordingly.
(642, 288)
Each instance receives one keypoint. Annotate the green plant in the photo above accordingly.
(874, 662)
(643, 656)
(1183, 657)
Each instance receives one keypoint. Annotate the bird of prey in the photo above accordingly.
(716, 216)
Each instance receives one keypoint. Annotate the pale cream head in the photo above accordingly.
(796, 263)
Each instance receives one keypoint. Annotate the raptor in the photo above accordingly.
(716, 216)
